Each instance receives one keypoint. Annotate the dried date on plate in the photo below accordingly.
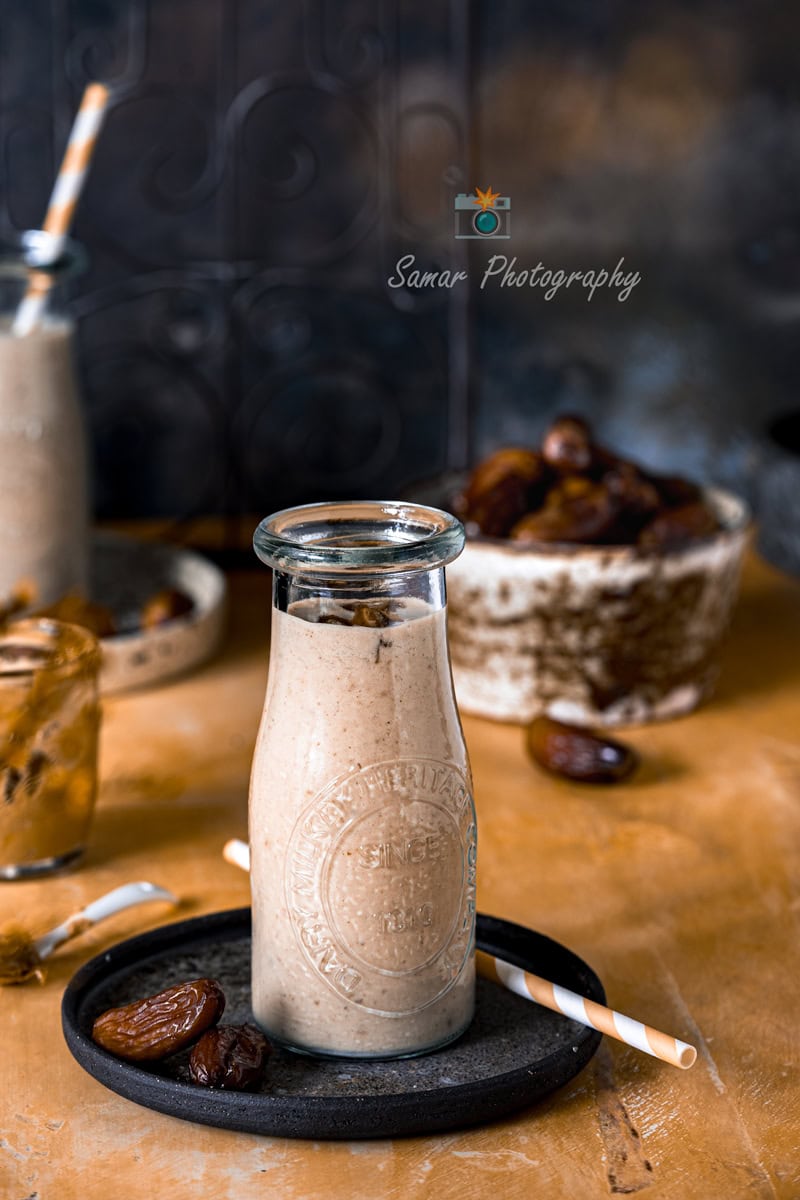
(230, 1056)
(150, 1029)
(578, 753)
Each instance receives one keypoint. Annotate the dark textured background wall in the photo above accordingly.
(265, 165)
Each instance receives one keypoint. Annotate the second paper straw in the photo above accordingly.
(64, 198)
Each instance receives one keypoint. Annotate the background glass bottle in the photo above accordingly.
(43, 470)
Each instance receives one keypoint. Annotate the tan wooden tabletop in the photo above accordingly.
(681, 888)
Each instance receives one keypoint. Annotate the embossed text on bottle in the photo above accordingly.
(380, 883)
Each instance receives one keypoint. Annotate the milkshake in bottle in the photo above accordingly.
(362, 826)
(43, 470)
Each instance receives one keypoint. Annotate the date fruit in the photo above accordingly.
(675, 491)
(503, 487)
(230, 1056)
(373, 616)
(578, 753)
(635, 494)
(679, 526)
(567, 445)
(579, 492)
(576, 511)
(150, 1029)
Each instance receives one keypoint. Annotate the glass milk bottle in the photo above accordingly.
(362, 825)
(43, 473)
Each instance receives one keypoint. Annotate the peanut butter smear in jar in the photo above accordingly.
(49, 726)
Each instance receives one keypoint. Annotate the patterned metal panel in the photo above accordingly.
(257, 176)
(266, 164)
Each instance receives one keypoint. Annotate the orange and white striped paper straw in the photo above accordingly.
(61, 209)
(587, 1012)
(551, 995)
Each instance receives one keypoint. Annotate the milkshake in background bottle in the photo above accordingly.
(362, 825)
(43, 471)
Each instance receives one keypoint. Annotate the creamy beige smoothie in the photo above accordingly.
(362, 837)
(43, 500)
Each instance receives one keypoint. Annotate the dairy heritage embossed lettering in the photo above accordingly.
(405, 832)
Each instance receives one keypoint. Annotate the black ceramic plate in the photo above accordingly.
(513, 1053)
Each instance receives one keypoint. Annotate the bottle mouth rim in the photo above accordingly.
(368, 537)
(38, 250)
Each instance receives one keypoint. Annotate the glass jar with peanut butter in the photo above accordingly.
(362, 824)
(49, 722)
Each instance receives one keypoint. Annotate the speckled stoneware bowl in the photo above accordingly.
(595, 635)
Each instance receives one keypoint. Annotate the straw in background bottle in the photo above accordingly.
(63, 201)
